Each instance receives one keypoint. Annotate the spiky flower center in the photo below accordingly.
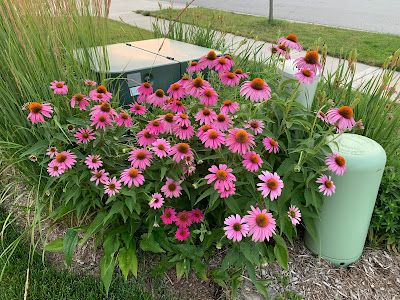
(155, 123)
(183, 216)
(237, 227)
(254, 124)
(138, 107)
(221, 118)
(221, 174)
(172, 186)
(102, 119)
(311, 57)
(111, 186)
(161, 147)
(105, 107)
(78, 97)
(133, 173)
(206, 112)
(241, 136)
(147, 134)
(238, 71)
(254, 158)
(211, 55)
(55, 168)
(230, 75)
(35, 107)
(340, 161)
(101, 89)
(175, 86)
(346, 112)
(282, 47)
(146, 85)
(262, 220)
(194, 63)
(273, 143)
(99, 174)
(208, 93)
(292, 213)
(212, 134)
(169, 118)
(292, 37)
(306, 72)
(198, 82)
(124, 116)
(61, 157)
(178, 103)
(183, 148)
(160, 93)
(257, 84)
(328, 183)
(85, 135)
(222, 61)
(141, 155)
(204, 128)
(272, 184)
(227, 102)
(183, 116)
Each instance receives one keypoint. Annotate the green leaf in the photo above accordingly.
(127, 261)
(94, 226)
(249, 252)
(37, 148)
(207, 193)
(116, 208)
(163, 170)
(69, 245)
(180, 269)
(148, 243)
(282, 255)
(55, 246)
(107, 266)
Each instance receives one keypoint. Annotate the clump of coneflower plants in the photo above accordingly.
(188, 171)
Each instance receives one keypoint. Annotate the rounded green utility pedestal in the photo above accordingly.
(342, 226)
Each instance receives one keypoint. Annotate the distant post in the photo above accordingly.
(271, 11)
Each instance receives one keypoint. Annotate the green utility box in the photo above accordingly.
(344, 219)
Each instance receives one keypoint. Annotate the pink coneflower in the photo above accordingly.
(158, 98)
(137, 109)
(327, 186)
(281, 50)
(291, 41)
(59, 87)
(38, 110)
(209, 60)
(161, 148)
(256, 90)
(239, 141)
(196, 215)
(169, 216)
(196, 86)
(294, 214)
(341, 117)
(55, 170)
(222, 175)
(206, 116)
(228, 191)
(305, 76)
(203, 129)
(261, 223)
(222, 122)
(223, 64)
(93, 162)
(132, 176)
(236, 228)
(80, 100)
(256, 126)
(194, 67)
(229, 78)
(101, 94)
(146, 138)
(156, 201)
(89, 82)
(182, 119)
(176, 106)
(83, 135)
(145, 89)
(172, 188)
(182, 233)
(65, 159)
(270, 145)
(252, 161)
(213, 138)
(52, 152)
(181, 151)
(103, 108)
(123, 119)
(336, 163)
(184, 132)
(176, 91)
(155, 127)
(99, 176)
(140, 158)
(228, 106)
(183, 219)
(112, 186)
(322, 116)
(271, 185)
(167, 121)
(208, 97)
(309, 61)
(184, 80)
(239, 73)
(101, 120)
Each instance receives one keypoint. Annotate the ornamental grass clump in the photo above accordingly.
(209, 164)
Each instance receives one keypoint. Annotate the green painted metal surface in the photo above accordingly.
(343, 223)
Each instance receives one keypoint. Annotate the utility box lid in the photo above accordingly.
(175, 50)
(124, 59)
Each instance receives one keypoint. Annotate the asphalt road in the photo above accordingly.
(370, 15)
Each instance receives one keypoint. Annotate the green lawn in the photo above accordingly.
(119, 32)
(50, 283)
(372, 48)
